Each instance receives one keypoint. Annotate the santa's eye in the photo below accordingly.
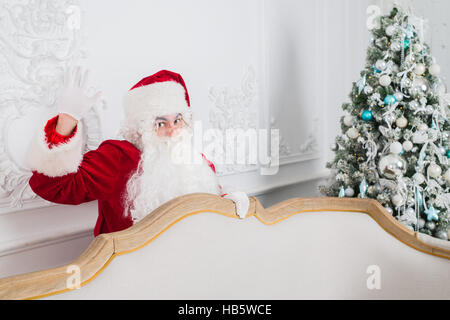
(177, 121)
(160, 124)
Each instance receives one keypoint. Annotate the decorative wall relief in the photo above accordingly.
(307, 149)
(234, 109)
(38, 40)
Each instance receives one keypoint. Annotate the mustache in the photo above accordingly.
(151, 140)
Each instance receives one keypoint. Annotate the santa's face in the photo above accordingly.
(164, 172)
(169, 125)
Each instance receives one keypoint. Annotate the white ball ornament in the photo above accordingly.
(407, 146)
(396, 46)
(368, 90)
(447, 176)
(398, 200)
(390, 31)
(352, 133)
(435, 69)
(419, 69)
(381, 65)
(396, 147)
(349, 192)
(423, 127)
(385, 80)
(348, 120)
(398, 96)
(402, 122)
(418, 178)
(419, 137)
(434, 171)
(395, 68)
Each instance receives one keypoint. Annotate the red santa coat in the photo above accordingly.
(61, 174)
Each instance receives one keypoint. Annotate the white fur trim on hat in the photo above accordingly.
(61, 159)
(156, 99)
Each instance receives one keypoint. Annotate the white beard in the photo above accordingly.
(159, 178)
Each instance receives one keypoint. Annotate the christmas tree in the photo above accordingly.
(394, 145)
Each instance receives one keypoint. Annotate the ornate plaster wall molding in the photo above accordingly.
(233, 108)
(38, 40)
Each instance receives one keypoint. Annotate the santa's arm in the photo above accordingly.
(240, 198)
(62, 174)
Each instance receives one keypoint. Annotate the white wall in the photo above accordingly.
(303, 54)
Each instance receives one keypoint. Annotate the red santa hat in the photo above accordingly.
(162, 93)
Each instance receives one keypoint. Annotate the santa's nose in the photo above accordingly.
(173, 131)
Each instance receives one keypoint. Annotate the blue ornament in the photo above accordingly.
(406, 43)
(363, 188)
(367, 115)
(448, 154)
(376, 70)
(342, 192)
(371, 38)
(432, 214)
(402, 152)
(361, 84)
(390, 99)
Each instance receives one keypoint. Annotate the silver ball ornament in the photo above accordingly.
(410, 58)
(423, 127)
(421, 223)
(398, 200)
(368, 90)
(352, 133)
(391, 166)
(381, 65)
(419, 86)
(442, 235)
(405, 82)
(410, 211)
(418, 178)
(410, 202)
(349, 192)
(395, 68)
(396, 46)
(389, 210)
(430, 225)
(408, 146)
(390, 30)
(399, 96)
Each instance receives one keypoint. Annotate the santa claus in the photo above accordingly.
(129, 178)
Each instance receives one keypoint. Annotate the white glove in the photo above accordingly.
(71, 97)
(241, 201)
